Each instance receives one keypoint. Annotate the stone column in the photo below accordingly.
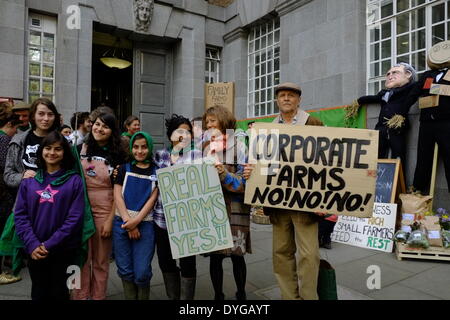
(12, 48)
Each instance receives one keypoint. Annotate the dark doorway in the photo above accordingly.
(111, 86)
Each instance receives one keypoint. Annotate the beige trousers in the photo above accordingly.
(291, 231)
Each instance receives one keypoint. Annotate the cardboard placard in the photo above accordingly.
(447, 76)
(435, 88)
(194, 208)
(375, 233)
(221, 94)
(313, 169)
(428, 102)
(444, 90)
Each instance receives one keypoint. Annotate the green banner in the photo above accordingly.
(332, 117)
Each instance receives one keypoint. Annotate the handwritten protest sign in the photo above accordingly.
(221, 94)
(314, 169)
(372, 233)
(194, 208)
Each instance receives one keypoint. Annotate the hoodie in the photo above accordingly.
(50, 210)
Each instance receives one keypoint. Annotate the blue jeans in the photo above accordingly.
(134, 257)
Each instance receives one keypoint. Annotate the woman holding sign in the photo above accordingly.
(217, 120)
(179, 132)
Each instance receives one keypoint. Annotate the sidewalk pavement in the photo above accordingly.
(408, 279)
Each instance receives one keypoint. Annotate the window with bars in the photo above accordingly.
(263, 68)
(212, 65)
(403, 31)
(41, 57)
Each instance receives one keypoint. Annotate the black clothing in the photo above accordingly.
(434, 128)
(392, 103)
(31, 145)
(326, 228)
(166, 262)
(134, 169)
(49, 276)
(442, 111)
(239, 272)
(431, 132)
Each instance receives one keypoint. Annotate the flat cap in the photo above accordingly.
(21, 106)
(288, 86)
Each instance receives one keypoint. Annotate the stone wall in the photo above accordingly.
(221, 3)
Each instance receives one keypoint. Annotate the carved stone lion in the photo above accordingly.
(143, 12)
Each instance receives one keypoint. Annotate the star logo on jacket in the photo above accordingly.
(47, 195)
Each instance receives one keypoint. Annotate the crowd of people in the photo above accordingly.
(51, 170)
(80, 192)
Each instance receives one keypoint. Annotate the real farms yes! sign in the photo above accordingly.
(194, 208)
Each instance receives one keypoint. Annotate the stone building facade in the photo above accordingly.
(325, 46)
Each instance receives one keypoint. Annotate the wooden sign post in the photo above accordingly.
(221, 94)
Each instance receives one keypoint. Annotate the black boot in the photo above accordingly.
(216, 273)
(240, 276)
(172, 283)
(187, 288)
(143, 293)
(130, 290)
(241, 295)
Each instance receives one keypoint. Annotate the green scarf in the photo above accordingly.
(2, 133)
(126, 134)
(12, 245)
(149, 140)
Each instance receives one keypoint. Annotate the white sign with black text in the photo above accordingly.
(375, 233)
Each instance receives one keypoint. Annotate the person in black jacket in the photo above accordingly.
(393, 118)
(434, 126)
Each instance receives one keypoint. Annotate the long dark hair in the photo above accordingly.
(68, 161)
(49, 104)
(115, 147)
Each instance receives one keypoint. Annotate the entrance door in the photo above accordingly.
(152, 90)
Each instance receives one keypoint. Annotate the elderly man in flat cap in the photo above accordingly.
(22, 109)
(293, 230)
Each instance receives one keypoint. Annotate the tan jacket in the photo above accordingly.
(303, 118)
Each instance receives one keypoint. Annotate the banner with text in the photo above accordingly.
(194, 208)
(312, 168)
(375, 233)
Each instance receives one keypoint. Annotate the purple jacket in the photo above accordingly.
(50, 214)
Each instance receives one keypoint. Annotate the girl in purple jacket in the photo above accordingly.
(49, 217)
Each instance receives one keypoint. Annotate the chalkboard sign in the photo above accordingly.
(388, 173)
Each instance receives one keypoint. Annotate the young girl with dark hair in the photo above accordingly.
(21, 159)
(135, 194)
(99, 155)
(49, 218)
(179, 132)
